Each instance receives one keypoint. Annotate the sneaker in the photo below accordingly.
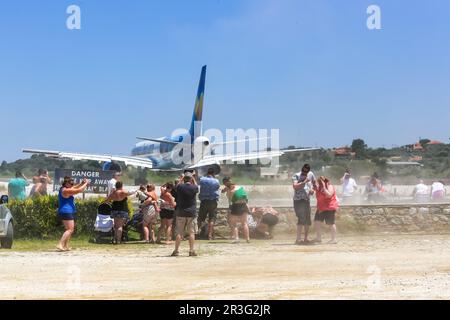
(192, 254)
(175, 254)
(236, 241)
(299, 242)
(316, 241)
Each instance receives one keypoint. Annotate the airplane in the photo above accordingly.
(159, 154)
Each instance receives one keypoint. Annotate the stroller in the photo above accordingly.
(104, 225)
(136, 221)
(135, 224)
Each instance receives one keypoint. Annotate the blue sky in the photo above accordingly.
(308, 67)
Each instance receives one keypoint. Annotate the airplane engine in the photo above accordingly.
(111, 166)
(202, 146)
(204, 141)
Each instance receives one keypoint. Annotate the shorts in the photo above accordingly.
(185, 223)
(302, 210)
(120, 215)
(208, 208)
(328, 216)
(167, 214)
(238, 209)
(269, 219)
(66, 216)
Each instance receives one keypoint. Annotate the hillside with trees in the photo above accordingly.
(358, 157)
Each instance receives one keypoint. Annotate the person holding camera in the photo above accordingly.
(186, 216)
(349, 186)
(67, 209)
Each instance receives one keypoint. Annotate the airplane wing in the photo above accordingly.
(215, 144)
(158, 140)
(132, 161)
(217, 159)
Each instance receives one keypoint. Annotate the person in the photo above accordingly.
(209, 198)
(239, 209)
(438, 191)
(303, 184)
(186, 215)
(17, 187)
(327, 205)
(151, 192)
(119, 209)
(41, 182)
(112, 183)
(175, 196)
(349, 186)
(141, 194)
(421, 192)
(266, 219)
(167, 212)
(374, 189)
(147, 207)
(67, 209)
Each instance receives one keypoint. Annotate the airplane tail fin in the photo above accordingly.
(196, 124)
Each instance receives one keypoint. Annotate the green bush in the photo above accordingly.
(38, 217)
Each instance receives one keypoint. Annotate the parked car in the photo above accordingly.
(6, 224)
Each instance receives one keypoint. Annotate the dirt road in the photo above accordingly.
(359, 267)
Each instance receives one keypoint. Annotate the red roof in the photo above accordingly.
(435, 142)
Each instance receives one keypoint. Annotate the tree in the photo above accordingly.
(4, 166)
(359, 147)
(423, 142)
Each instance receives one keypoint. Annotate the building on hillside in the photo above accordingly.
(344, 152)
(415, 158)
(395, 167)
(273, 173)
(434, 143)
(417, 147)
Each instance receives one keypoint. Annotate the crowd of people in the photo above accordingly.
(17, 186)
(176, 206)
(306, 185)
(423, 193)
(177, 209)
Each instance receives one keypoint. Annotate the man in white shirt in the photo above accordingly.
(348, 187)
(421, 192)
(112, 183)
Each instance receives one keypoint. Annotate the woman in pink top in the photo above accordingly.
(327, 205)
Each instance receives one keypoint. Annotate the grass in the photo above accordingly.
(81, 243)
(50, 244)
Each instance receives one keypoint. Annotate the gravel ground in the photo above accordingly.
(358, 267)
